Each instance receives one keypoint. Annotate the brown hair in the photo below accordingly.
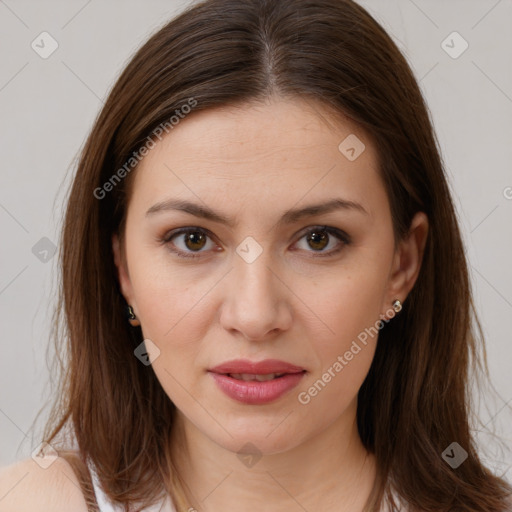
(415, 400)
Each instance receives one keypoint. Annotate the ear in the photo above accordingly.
(122, 270)
(407, 261)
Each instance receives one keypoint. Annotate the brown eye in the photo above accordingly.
(195, 240)
(185, 242)
(318, 240)
(319, 237)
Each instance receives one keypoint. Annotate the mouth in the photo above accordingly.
(245, 367)
(256, 383)
(247, 377)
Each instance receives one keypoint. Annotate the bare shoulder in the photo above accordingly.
(25, 486)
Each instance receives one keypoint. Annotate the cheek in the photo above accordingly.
(345, 352)
(347, 301)
(167, 295)
(345, 342)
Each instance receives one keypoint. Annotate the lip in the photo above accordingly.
(255, 392)
(256, 368)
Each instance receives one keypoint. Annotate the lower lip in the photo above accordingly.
(254, 392)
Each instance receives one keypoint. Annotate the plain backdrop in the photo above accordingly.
(48, 106)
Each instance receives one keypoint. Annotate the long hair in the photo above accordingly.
(415, 400)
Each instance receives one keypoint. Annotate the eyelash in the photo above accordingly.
(166, 239)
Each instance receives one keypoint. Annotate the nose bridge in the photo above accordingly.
(254, 303)
(253, 277)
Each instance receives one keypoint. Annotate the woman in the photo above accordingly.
(264, 284)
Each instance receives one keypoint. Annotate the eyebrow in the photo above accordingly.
(289, 217)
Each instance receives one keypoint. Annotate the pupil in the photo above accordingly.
(316, 238)
(191, 238)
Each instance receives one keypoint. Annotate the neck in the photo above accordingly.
(331, 471)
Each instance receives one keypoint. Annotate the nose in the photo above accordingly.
(256, 303)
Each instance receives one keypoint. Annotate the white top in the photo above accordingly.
(105, 505)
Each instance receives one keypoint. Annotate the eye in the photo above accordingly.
(194, 240)
(319, 237)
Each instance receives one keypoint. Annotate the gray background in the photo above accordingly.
(48, 107)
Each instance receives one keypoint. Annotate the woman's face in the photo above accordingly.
(270, 283)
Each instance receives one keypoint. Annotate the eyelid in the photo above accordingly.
(341, 235)
(329, 229)
(167, 237)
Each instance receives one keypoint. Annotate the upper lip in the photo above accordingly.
(256, 367)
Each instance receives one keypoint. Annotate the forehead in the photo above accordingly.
(283, 148)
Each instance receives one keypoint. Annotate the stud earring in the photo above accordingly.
(131, 316)
(397, 306)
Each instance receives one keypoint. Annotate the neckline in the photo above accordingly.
(105, 505)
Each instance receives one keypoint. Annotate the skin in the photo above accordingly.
(252, 163)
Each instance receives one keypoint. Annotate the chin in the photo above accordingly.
(257, 445)
(265, 436)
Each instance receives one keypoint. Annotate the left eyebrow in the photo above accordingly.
(288, 217)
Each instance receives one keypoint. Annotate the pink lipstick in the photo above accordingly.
(256, 383)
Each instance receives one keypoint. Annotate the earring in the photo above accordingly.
(131, 316)
(397, 306)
